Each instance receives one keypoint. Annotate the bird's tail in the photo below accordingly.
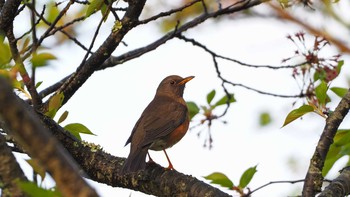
(135, 161)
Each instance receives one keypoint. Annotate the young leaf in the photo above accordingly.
(193, 109)
(224, 99)
(264, 119)
(321, 92)
(41, 59)
(340, 65)
(220, 179)
(54, 104)
(5, 52)
(39, 169)
(210, 96)
(339, 91)
(247, 177)
(297, 113)
(77, 128)
(38, 84)
(94, 5)
(62, 117)
(32, 189)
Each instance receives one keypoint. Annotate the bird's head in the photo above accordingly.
(173, 85)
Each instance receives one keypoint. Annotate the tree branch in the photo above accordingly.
(314, 179)
(8, 13)
(340, 186)
(27, 130)
(84, 71)
(104, 168)
(10, 171)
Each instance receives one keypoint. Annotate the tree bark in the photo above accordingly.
(10, 171)
(340, 186)
(314, 178)
(104, 168)
(28, 131)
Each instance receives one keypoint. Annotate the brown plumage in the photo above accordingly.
(162, 124)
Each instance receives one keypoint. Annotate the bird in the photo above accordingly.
(163, 123)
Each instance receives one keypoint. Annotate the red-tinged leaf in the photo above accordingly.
(247, 177)
(297, 113)
(220, 179)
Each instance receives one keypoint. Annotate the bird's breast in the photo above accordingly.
(174, 137)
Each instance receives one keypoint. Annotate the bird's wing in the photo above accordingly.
(133, 131)
(162, 118)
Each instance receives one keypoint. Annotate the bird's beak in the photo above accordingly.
(185, 80)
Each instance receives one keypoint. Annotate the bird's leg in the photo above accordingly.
(170, 167)
(150, 160)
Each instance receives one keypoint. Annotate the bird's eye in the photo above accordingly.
(172, 82)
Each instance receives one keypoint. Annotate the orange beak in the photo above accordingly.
(185, 80)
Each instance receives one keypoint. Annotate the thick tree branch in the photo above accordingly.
(10, 171)
(8, 13)
(104, 168)
(340, 186)
(27, 130)
(314, 179)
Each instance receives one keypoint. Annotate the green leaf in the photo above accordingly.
(52, 12)
(332, 156)
(105, 11)
(247, 177)
(62, 117)
(193, 109)
(77, 128)
(54, 104)
(339, 149)
(342, 137)
(220, 179)
(321, 92)
(94, 5)
(38, 84)
(33, 190)
(5, 54)
(224, 99)
(37, 167)
(264, 119)
(339, 91)
(340, 65)
(297, 113)
(41, 59)
(210, 96)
